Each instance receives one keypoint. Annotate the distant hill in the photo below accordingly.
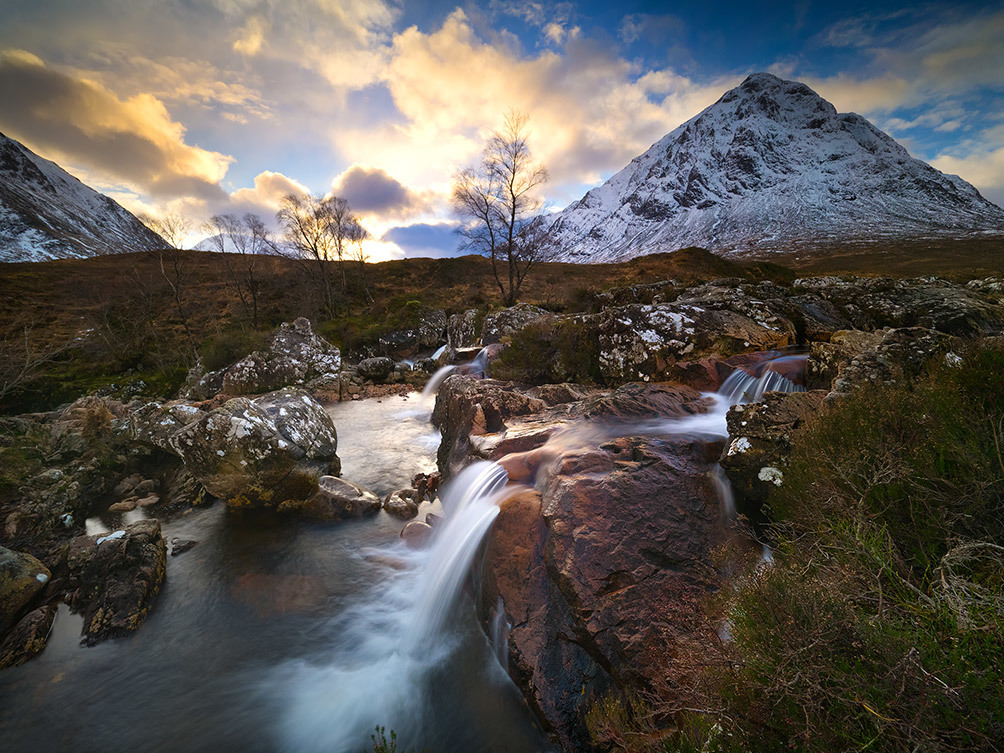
(46, 213)
(771, 165)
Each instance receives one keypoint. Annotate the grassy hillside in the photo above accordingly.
(116, 319)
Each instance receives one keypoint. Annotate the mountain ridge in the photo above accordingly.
(770, 163)
(46, 213)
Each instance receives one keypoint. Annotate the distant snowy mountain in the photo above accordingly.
(46, 213)
(770, 165)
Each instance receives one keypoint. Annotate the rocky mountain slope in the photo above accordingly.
(46, 213)
(770, 165)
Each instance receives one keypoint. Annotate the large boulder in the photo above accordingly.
(603, 576)
(334, 499)
(504, 323)
(761, 440)
(467, 407)
(643, 342)
(21, 577)
(155, 423)
(259, 453)
(262, 371)
(295, 355)
(375, 369)
(463, 330)
(426, 333)
(115, 577)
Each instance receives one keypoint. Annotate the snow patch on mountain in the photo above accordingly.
(46, 213)
(771, 164)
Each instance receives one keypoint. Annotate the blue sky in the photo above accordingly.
(225, 105)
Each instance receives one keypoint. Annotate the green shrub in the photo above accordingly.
(229, 346)
(550, 352)
(881, 627)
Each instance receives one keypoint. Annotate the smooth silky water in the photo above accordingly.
(280, 635)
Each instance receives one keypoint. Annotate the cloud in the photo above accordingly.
(430, 240)
(269, 190)
(655, 29)
(980, 161)
(81, 122)
(372, 191)
(590, 110)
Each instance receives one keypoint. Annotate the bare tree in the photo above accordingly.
(241, 241)
(502, 211)
(170, 226)
(319, 230)
(23, 354)
(171, 262)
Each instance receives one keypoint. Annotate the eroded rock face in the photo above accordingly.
(295, 355)
(462, 330)
(643, 342)
(28, 637)
(468, 407)
(115, 577)
(603, 575)
(901, 354)
(761, 440)
(259, 453)
(507, 321)
(931, 303)
(21, 577)
(334, 499)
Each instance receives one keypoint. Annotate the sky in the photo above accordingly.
(207, 106)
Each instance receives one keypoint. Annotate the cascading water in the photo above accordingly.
(500, 627)
(434, 383)
(395, 640)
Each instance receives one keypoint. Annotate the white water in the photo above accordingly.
(391, 643)
(435, 382)
(500, 627)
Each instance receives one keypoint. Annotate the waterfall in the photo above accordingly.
(470, 502)
(390, 644)
(434, 383)
(500, 627)
(726, 497)
(439, 351)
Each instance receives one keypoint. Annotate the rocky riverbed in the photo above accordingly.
(601, 565)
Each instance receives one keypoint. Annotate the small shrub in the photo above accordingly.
(550, 352)
(229, 346)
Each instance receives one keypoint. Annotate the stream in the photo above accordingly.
(277, 635)
(282, 636)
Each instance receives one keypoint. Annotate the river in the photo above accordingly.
(278, 635)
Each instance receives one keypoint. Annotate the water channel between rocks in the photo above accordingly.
(279, 635)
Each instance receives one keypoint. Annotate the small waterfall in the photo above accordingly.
(434, 383)
(723, 489)
(470, 502)
(500, 627)
(743, 387)
(439, 351)
(393, 641)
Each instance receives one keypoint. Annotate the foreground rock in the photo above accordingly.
(295, 355)
(761, 441)
(259, 453)
(28, 637)
(603, 576)
(21, 577)
(334, 499)
(115, 577)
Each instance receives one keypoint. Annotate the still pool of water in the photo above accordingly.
(278, 635)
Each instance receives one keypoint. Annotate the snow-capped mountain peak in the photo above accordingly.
(46, 213)
(771, 163)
